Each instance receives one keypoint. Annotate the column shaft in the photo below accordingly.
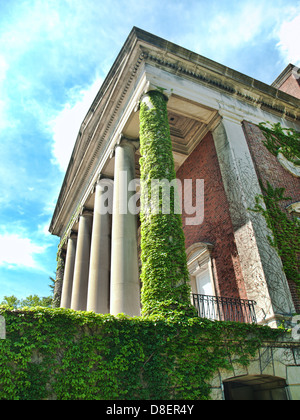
(82, 259)
(264, 278)
(69, 273)
(164, 274)
(99, 275)
(125, 285)
(58, 281)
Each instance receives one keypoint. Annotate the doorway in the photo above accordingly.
(256, 387)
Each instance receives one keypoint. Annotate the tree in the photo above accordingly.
(11, 301)
(30, 301)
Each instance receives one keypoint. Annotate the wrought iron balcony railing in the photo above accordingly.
(224, 309)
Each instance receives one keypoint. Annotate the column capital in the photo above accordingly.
(124, 141)
(72, 234)
(150, 87)
(145, 96)
(103, 180)
(228, 113)
(85, 212)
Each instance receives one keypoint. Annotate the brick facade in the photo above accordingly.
(291, 86)
(216, 227)
(268, 169)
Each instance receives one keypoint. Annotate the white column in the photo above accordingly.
(263, 274)
(82, 260)
(69, 272)
(99, 275)
(125, 284)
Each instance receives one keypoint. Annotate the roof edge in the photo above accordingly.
(284, 75)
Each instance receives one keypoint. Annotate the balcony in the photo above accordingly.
(225, 309)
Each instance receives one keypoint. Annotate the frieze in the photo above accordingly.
(219, 84)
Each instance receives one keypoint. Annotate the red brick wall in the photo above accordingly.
(291, 86)
(269, 169)
(216, 227)
(267, 166)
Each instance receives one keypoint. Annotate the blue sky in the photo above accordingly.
(54, 55)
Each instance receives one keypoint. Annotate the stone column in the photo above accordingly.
(99, 276)
(263, 274)
(82, 260)
(125, 284)
(59, 279)
(166, 283)
(69, 272)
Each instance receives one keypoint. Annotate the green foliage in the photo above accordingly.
(286, 231)
(69, 355)
(30, 301)
(284, 140)
(164, 268)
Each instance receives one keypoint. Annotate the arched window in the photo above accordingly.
(204, 297)
(200, 268)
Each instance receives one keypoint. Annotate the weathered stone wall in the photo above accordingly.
(269, 169)
(273, 361)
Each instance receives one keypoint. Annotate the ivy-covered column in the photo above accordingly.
(58, 280)
(165, 278)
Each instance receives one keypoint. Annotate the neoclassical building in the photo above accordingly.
(213, 113)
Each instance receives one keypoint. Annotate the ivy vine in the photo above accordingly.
(63, 354)
(164, 273)
(286, 231)
(282, 140)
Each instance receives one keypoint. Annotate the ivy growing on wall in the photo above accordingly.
(166, 354)
(69, 355)
(286, 230)
(284, 140)
(164, 274)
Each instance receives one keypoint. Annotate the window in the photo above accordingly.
(203, 281)
(200, 269)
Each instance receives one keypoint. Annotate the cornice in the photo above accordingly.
(88, 146)
(285, 74)
(229, 82)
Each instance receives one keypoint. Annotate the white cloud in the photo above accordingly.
(17, 251)
(237, 27)
(289, 36)
(65, 126)
(5, 120)
(3, 68)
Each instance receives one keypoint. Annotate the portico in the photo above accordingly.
(102, 256)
